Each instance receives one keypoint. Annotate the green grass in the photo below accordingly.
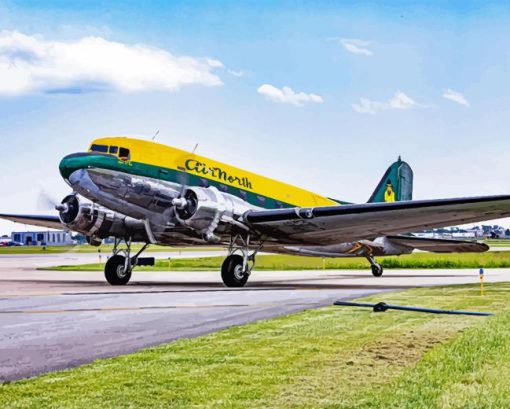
(472, 371)
(497, 242)
(497, 259)
(334, 357)
(85, 248)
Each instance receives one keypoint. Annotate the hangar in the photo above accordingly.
(43, 238)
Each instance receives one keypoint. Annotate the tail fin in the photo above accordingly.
(395, 185)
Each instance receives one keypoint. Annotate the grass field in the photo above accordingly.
(335, 357)
(498, 242)
(497, 259)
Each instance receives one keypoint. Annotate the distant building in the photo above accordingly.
(42, 238)
(452, 233)
(465, 234)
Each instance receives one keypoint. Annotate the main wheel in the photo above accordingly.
(115, 271)
(377, 270)
(232, 272)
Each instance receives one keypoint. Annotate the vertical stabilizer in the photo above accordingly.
(395, 185)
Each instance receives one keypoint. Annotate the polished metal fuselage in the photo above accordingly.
(146, 199)
(150, 200)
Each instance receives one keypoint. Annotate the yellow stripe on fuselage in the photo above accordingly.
(156, 154)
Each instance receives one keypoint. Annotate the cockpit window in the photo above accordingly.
(99, 148)
(113, 150)
(124, 154)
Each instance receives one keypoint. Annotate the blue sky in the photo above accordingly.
(319, 94)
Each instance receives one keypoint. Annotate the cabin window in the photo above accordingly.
(124, 154)
(223, 188)
(243, 194)
(261, 200)
(204, 182)
(99, 148)
(279, 204)
(113, 150)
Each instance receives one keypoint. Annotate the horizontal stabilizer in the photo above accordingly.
(51, 222)
(439, 245)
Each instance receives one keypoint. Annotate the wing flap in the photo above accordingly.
(440, 245)
(324, 225)
(51, 222)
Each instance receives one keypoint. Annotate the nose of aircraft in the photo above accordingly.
(71, 163)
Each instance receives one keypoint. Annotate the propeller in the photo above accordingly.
(68, 207)
(179, 202)
(184, 204)
(165, 219)
(47, 202)
(183, 180)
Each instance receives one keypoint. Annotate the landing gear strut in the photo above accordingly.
(236, 268)
(377, 269)
(119, 266)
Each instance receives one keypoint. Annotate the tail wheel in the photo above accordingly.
(232, 271)
(115, 271)
(377, 270)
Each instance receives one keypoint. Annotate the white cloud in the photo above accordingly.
(32, 63)
(286, 95)
(214, 63)
(401, 101)
(356, 46)
(398, 101)
(455, 97)
(367, 106)
(237, 74)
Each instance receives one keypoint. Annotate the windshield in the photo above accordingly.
(118, 151)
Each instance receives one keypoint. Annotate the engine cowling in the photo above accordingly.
(97, 222)
(202, 209)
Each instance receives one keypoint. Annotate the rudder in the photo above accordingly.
(396, 184)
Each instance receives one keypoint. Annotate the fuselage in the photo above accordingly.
(160, 162)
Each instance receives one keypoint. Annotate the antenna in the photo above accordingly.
(156, 134)
(195, 148)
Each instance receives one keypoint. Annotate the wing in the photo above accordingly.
(335, 224)
(51, 222)
(439, 245)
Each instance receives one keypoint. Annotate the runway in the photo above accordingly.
(55, 320)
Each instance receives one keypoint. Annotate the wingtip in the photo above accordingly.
(484, 247)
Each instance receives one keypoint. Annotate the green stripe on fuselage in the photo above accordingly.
(71, 163)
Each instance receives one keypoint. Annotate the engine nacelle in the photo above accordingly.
(202, 209)
(97, 222)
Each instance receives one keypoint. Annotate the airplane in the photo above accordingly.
(144, 191)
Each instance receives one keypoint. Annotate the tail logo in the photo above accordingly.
(389, 194)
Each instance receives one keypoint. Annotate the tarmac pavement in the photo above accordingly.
(51, 320)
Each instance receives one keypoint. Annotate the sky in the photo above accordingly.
(323, 95)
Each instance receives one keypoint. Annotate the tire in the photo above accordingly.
(377, 270)
(114, 271)
(231, 271)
